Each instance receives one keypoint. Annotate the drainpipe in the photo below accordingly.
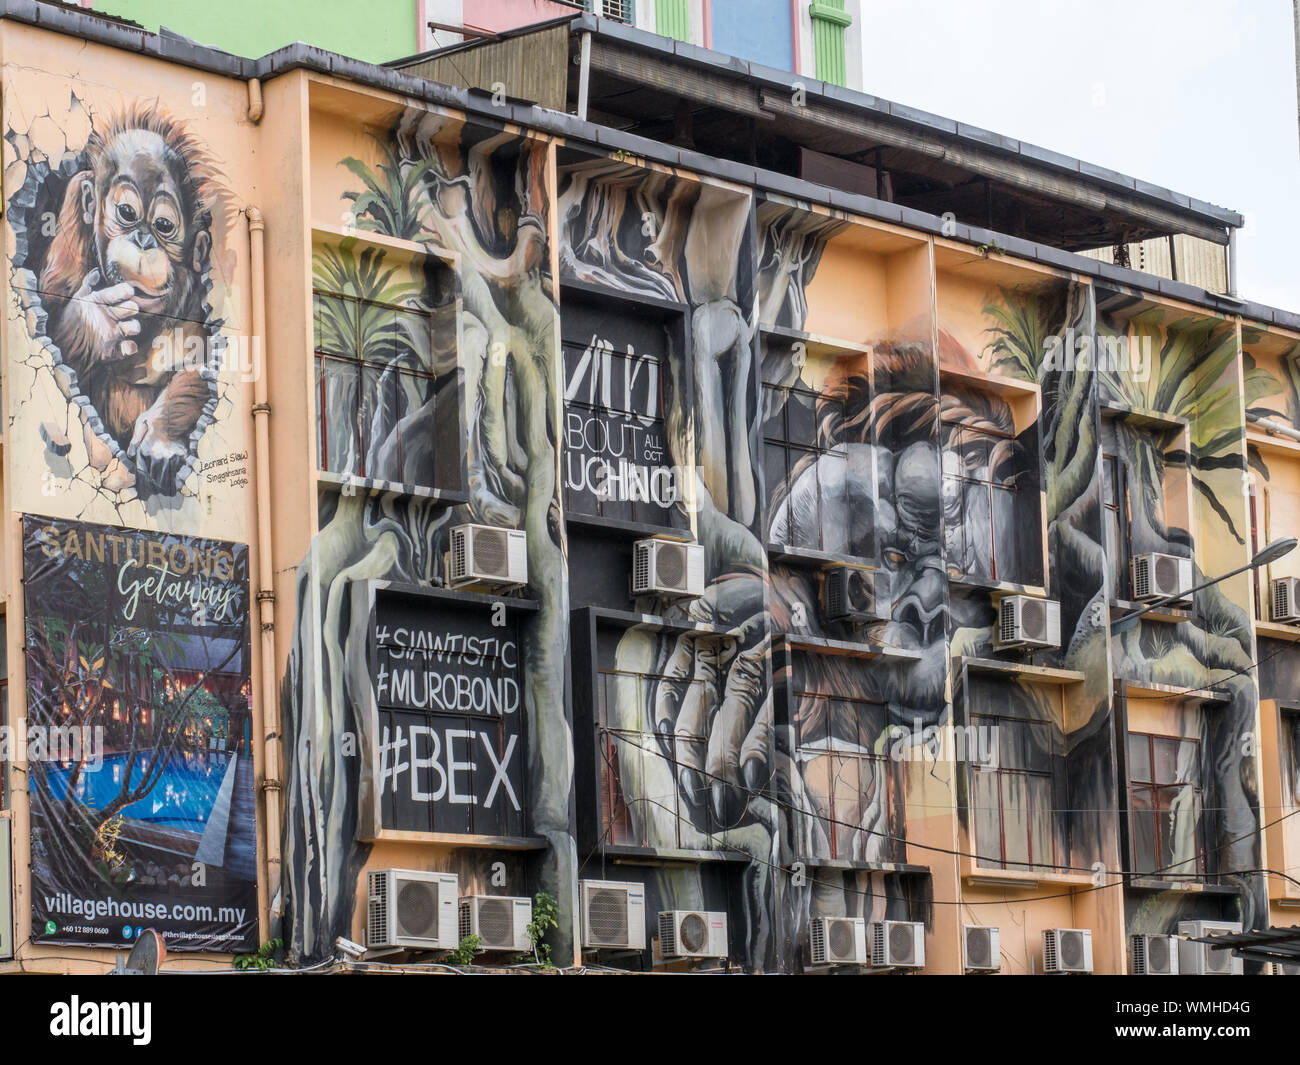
(1232, 263)
(255, 108)
(270, 782)
(584, 74)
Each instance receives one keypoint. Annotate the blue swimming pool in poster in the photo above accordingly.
(187, 787)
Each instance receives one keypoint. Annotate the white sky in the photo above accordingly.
(1196, 95)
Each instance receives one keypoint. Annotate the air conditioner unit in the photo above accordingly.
(485, 556)
(613, 914)
(981, 949)
(1154, 955)
(1067, 950)
(1024, 621)
(899, 944)
(854, 594)
(500, 922)
(1157, 576)
(692, 934)
(667, 568)
(1285, 599)
(411, 910)
(839, 941)
(1202, 959)
(1284, 968)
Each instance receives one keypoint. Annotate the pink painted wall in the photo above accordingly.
(497, 15)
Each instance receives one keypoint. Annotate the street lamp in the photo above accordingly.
(1268, 554)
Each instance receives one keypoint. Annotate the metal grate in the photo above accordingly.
(670, 566)
(490, 552)
(417, 909)
(693, 932)
(607, 917)
(496, 922)
(841, 939)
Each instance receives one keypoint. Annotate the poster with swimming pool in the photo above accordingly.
(139, 737)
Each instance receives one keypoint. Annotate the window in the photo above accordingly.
(990, 519)
(375, 388)
(644, 772)
(1166, 827)
(1291, 758)
(1289, 751)
(1146, 493)
(849, 780)
(803, 466)
(1115, 519)
(1016, 796)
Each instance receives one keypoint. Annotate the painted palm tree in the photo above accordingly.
(1191, 379)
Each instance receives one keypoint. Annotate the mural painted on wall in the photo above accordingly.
(483, 196)
(721, 742)
(138, 694)
(119, 219)
(1194, 375)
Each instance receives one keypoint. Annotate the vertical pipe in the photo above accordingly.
(584, 74)
(1232, 261)
(270, 783)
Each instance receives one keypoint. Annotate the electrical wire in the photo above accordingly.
(790, 807)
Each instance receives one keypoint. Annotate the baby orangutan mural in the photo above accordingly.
(114, 246)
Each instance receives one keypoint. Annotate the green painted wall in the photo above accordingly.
(375, 31)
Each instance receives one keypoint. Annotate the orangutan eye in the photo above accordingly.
(126, 214)
(894, 557)
(165, 227)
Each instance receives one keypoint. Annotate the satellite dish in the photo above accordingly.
(145, 957)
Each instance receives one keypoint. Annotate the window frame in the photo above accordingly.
(1055, 785)
(1158, 810)
(884, 768)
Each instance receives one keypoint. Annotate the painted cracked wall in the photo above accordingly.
(127, 380)
(128, 370)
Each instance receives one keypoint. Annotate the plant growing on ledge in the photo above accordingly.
(465, 951)
(545, 917)
(263, 960)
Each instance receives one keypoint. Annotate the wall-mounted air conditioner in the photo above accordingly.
(1024, 621)
(692, 934)
(1203, 959)
(1067, 950)
(500, 922)
(613, 914)
(855, 595)
(668, 569)
(839, 941)
(484, 556)
(1157, 576)
(981, 949)
(411, 910)
(1284, 599)
(1154, 955)
(899, 944)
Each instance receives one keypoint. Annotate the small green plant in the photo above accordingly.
(264, 958)
(465, 951)
(990, 249)
(545, 917)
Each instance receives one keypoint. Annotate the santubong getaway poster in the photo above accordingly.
(139, 737)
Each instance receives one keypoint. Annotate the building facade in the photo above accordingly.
(401, 479)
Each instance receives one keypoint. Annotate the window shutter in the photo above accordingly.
(829, 21)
